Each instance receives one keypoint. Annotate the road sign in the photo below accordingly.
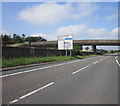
(65, 42)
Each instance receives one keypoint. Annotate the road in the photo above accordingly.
(92, 80)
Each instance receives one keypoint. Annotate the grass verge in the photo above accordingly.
(32, 60)
(84, 56)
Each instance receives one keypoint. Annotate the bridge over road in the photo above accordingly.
(93, 43)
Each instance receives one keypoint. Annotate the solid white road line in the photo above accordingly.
(34, 70)
(24, 71)
(39, 68)
(118, 63)
(39, 89)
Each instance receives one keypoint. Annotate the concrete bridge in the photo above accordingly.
(93, 43)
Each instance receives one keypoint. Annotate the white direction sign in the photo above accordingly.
(65, 42)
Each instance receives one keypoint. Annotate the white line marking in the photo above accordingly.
(95, 62)
(116, 57)
(118, 63)
(24, 96)
(25, 71)
(41, 68)
(58, 65)
(38, 69)
(101, 59)
(13, 101)
(81, 69)
(73, 62)
(30, 70)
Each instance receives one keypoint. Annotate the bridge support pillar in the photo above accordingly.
(94, 48)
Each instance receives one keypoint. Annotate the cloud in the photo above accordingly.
(85, 9)
(73, 29)
(81, 32)
(114, 32)
(51, 13)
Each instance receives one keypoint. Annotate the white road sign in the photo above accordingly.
(65, 42)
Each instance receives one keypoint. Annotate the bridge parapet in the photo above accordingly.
(82, 42)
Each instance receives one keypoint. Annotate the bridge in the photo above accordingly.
(93, 43)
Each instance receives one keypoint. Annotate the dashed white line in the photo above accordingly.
(95, 62)
(101, 59)
(24, 96)
(116, 57)
(13, 101)
(118, 63)
(81, 69)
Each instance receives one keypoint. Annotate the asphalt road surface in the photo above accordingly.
(92, 80)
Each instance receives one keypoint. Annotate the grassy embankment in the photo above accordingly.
(35, 60)
(32, 60)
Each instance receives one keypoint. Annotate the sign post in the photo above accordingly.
(70, 52)
(66, 52)
(65, 43)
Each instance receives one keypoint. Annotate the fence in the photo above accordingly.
(17, 52)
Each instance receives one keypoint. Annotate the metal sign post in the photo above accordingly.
(70, 53)
(66, 52)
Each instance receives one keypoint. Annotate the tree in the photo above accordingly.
(111, 51)
(17, 38)
(35, 39)
(77, 49)
(102, 50)
(23, 36)
(6, 39)
(14, 37)
(87, 48)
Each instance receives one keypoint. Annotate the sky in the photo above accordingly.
(84, 20)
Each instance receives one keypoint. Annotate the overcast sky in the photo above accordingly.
(85, 20)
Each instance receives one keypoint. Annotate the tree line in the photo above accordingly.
(8, 39)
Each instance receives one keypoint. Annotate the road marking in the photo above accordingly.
(116, 57)
(118, 63)
(39, 89)
(81, 69)
(95, 62)
(31, 70)
(39, 69)
(73, 61)
(25, 71)
(58, 65)
(101, 59)
(13, 101)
